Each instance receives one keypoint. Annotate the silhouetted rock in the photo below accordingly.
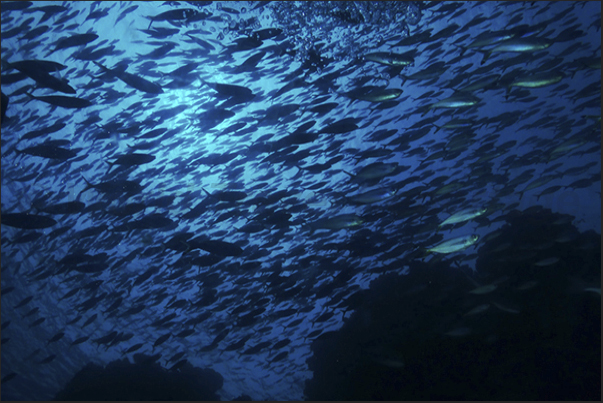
(144, 380)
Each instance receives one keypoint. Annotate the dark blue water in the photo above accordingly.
(257, 189)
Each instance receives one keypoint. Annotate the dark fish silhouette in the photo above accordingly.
(132, 159)
(4, 105)
(79, 341)
(27, 221)
(174, 15)
(74, 207)
(132, 80)
(114, 186)
(49, 151)
(220, 248)
(62, 101)
(73, 40)
(40, 75)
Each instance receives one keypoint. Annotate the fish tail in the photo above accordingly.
(486, 54)
(104, 68)
(88, 186)
(30, 95)
(110, 166)
(462, 49)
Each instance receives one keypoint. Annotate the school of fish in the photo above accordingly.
(207, 181)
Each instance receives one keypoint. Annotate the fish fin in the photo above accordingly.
(486, 54)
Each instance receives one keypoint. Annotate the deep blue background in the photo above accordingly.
(554, 115)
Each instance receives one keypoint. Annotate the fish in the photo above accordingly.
(42, 132)
(4, 106)
(280, 356)
(337, 222)
(114, 186)
(16, 5)
(227, 195)
(27, 221)
(56, 337)
(24, 302)
(375, 170)
(31, 312)
(12, 375)
(90, 320)
(527, 44)
(458, 100)
(48, 359)
(133, 348)
(249, 64)
(505, 309)
(374, 94)
(36, 322)
(372, 196)
(547, 261)
(238, 344)
(178, 365)
(131, 159)
(535, 80)
(455, 244)
(63, 101)
(185, 333)
(489, 82)
(162, 339)
(174, 15)
(391, 59)
(459, 332)
(477, 310)
(125, 12)
(230, 90)
(73, 40)
(132, 80)
(257, 348)
(106, 339)
(73, 207)
(49, 151)
(485, 289)
(340, 127)
(593, 290)
(38, 71)
(216, 247)
(266, 33)
(464, 215)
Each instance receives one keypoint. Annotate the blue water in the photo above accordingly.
(317, 54)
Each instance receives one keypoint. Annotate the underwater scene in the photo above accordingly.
(274, 200)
